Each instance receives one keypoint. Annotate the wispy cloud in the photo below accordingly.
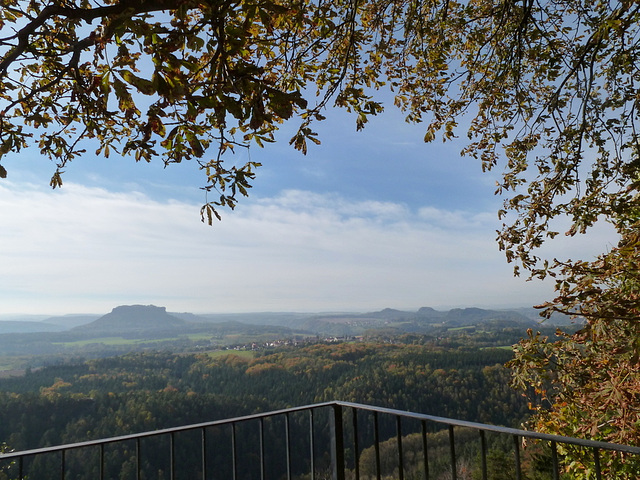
(88, 249)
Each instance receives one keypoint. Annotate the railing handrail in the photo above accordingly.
(401, 413)
(164, 431)
(495, 428)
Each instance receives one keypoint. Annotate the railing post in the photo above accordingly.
(262, 459)
(172, 456)
(204, 453)
(356, 446)
(376, 441)
(138, 460)
(596, 459)
(287, 439)
(425, 455)
(452, 454)
(312, 446)
(101, 462)
(337, 443)
(554, 458)
(516, 451)
(234, 458)
(483, 452)
(400, 454)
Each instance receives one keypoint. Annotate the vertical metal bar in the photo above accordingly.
(376, 442)
(172, 458)
(452, 452)
(204, 453)
(312, 446)
(516, 451)
(288, 444)
(21, 468)
(483, 453)
(554, 459)
(234, 465)
(138, 460)
(425, 456)
(101, 461)
(596, 458)
(262, 460)
(62, 463)
(356, 447)
(400, 454)
(337, 443)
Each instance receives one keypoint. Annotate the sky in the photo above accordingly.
(365, 221)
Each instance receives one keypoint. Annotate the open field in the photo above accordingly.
(133, 341)
(237, 353)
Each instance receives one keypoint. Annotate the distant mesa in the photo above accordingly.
(133, 318)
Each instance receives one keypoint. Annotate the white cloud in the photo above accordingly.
(88, 249)
(456, 219)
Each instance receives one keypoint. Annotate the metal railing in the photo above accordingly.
(336, 440)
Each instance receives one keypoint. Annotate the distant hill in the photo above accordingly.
(152, 321)
(478, 316)
(557, 319)
(424, 320)
(152, 327)
(10, 326)
(285, 319)
(388, 314)
(429, 312)
(190, 317)
(133, 318)
(71, 320)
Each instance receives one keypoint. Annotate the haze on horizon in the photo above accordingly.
(365, 221)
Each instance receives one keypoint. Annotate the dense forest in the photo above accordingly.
(459, 377)
(143, 391)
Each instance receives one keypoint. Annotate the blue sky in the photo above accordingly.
(367, 220)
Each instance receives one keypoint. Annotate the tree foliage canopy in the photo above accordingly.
(549, 87)
(548, 91)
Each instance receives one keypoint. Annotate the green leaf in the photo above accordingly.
(144, 86)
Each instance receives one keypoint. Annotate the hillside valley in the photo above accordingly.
(149, 317)
(140, 368)
(128, 328)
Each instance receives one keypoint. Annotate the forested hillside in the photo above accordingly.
(144, 391)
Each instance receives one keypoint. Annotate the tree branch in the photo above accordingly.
(88, 15)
